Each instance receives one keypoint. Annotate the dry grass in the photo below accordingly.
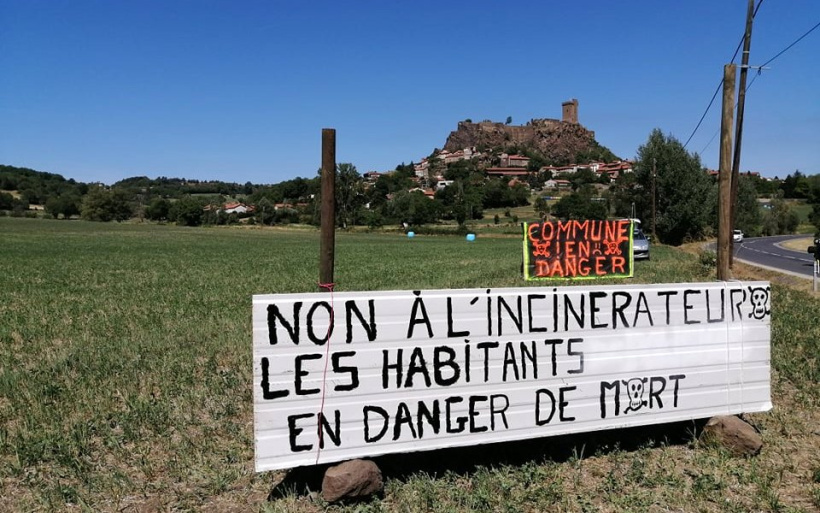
(798, 245)
(125, 383)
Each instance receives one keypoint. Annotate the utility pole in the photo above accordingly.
(654, 219)
(327, 237)
(725, 184)
(741, 102)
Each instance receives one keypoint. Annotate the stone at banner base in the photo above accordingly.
(351, 479)
(734, 434)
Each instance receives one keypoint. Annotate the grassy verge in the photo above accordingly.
(798, 244)
(125, 382)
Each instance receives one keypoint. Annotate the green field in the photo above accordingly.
(125, 382)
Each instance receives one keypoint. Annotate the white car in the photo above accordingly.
(640, 245)
(737, 236)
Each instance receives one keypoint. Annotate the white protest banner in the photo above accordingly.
(356, 374)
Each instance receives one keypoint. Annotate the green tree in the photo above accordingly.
(497, 193)
(582, 177)
(626, 192)
(463, 170)
(104, 205)
(537, 161)
(762, 186)
(187, 211)
(413, 208)
(541, 206)
(681, 187)
(158, 209)
(265, 212)
(747, 208)
(579, 205)
(780, 218)
(349, 194)
(462, 201)
(814, 218)
(795, 186)
(66, 205)
(6, 201)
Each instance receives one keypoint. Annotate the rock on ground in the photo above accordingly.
(734, 434)
(351, 479)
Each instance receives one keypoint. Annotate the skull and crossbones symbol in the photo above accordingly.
(759, 297)
(612, 247)
(541, 249)
(634, 389)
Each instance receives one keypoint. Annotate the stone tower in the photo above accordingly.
(570, 111)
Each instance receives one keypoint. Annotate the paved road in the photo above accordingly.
(765, 252)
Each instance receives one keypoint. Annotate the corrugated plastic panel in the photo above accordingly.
(418, 370)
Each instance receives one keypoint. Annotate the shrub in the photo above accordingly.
(708, 261)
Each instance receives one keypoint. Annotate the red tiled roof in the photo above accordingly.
(507, 171)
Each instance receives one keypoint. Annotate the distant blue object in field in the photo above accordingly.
(410, 235)
(470, 237)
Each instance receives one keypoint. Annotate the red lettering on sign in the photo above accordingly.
(577, 248)
(618, 262)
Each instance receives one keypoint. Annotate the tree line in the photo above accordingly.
(685, 196)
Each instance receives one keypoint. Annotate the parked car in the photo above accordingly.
(640, 245)
(737, 236)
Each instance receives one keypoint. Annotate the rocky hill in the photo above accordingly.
(558, 142)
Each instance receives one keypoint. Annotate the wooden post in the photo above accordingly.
(327, 243)
(725, 184)
(741, 103)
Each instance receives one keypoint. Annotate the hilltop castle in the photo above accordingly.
(558, 139)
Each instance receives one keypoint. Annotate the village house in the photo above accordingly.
(507, 171)
(421, 168)
(517, 161)
(451, 158)
(235, 208)
(614, 169)
(430, 193)
(371, 176)
(560, 170)
(557, 183)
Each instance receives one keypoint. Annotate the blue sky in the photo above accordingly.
(240, 90)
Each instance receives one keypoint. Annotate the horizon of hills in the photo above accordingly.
(547, 141)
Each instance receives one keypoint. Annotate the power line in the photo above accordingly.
(781, 52)
(710, 142)
(759, 72)
(735, 107)
(789, 47)
(704, 114)
(717, 90)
